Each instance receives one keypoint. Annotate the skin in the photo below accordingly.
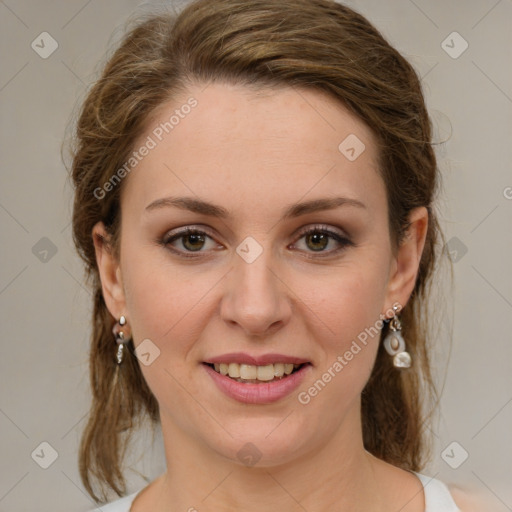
(256, 153)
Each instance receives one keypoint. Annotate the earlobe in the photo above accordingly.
(109, 271)
(406, 264)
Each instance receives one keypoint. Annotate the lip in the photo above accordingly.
(264, 393)
(262, 360)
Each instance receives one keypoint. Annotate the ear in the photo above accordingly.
(407, 260)
(110, 272)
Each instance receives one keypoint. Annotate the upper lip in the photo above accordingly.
(261, 360)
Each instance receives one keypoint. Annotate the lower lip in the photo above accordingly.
(264, 393)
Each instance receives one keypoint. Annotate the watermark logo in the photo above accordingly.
(44, 455)
(249, 249)
(351, 147)
(157, 135)
(454, 455)
(44, 250)
(44, 45)
(305, 397)
(249, 454)
(454, 45)
(455, 249)
(147, 352)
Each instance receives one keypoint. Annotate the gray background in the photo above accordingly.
(45, 306)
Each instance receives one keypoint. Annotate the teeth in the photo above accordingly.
(288, 368)
(278, 369)
(265, 372)
(249, 372)
(234, 370)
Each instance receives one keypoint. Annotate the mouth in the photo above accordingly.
(256, 374)
(257, 380)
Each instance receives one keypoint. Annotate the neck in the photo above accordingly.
(337, 475)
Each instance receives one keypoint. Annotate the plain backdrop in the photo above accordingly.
(45, 305)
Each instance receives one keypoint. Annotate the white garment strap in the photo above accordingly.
(437, 495)
(437, 498)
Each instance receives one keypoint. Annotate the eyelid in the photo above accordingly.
(334, 233)
(343, 239)
(321, 227)
(304, 230)
(181, 232)
(184, 230)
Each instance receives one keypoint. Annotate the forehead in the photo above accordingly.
(244, 147)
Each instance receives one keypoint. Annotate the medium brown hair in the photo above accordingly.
(316, 44)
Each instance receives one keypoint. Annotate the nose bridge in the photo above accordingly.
(255, 298)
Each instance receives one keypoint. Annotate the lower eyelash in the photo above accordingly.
(343, 241)
(187, 231)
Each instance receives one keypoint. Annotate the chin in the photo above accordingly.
(263, 441)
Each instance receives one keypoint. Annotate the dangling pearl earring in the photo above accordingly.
(395, 345)
(120, 338)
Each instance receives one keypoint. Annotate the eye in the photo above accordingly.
(188, 240)
(319, 238)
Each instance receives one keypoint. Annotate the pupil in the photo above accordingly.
(318, 238)
(195, 239)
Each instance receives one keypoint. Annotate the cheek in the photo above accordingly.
(349, 305)
(336, 310)
(346, 302)
(161, 307)
(167, 307)
(166, 303)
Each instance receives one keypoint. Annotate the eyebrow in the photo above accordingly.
(212, 210)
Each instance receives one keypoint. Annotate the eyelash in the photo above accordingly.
(319, 229)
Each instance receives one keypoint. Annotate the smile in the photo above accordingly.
(252, 374)
(246, 386)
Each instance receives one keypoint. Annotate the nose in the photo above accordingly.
(256, 298)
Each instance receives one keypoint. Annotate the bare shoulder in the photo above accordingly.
(404, 489)
(470, 501)
(462, 498)
(147, 498)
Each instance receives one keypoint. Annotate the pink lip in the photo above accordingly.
(242, 358)
(264, 393)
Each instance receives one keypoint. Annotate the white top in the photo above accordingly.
(437, 498)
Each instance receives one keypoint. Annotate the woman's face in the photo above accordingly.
(251, 173)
